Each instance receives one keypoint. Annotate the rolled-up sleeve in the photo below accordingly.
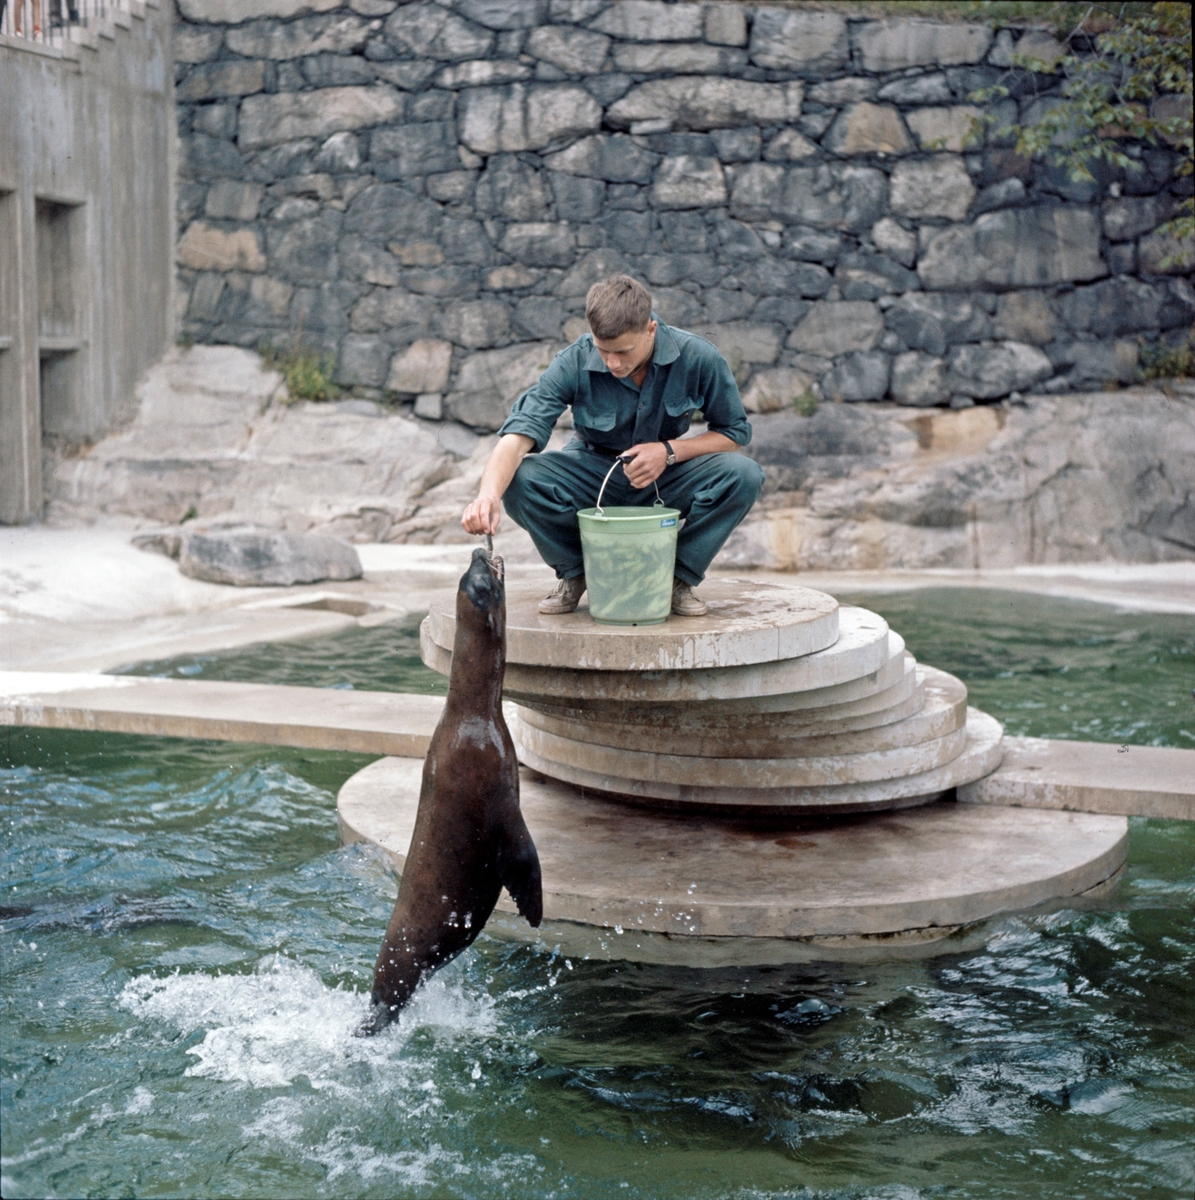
(722, 404)
(536, 411)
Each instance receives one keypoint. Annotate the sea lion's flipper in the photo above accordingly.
(518, 868)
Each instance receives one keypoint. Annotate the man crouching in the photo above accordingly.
(634, 385)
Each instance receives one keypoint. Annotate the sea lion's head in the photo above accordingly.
(482, 584)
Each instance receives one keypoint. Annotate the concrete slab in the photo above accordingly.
(627, 882)
(316, 718)
(863, 646)
(1141, 781)
(980, 756)
(750, 621)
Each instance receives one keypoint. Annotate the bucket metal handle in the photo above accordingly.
(622, 459)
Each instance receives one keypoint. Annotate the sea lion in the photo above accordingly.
(470, 839)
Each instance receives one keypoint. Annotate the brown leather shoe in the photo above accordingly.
(685, 603)
(564, 597)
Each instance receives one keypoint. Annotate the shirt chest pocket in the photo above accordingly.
(593, 416)
(679, 406)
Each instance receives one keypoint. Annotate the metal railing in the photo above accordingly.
(49, 21)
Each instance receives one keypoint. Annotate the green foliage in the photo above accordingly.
(806, 403)
(1160, 361)
(307, 371)
(190, 515)
(1136, 87)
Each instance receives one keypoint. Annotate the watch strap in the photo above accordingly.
(671, 453)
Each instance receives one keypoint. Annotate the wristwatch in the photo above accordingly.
(671, 459)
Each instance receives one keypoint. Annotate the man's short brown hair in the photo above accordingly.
(616, 306)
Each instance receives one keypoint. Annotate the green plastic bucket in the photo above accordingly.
(630, 555)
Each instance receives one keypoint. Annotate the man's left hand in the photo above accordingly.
(647, 464)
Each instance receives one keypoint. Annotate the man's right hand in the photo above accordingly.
(482, 516)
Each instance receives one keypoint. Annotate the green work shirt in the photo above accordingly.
(686, 374)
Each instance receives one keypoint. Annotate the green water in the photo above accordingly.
(188, 951)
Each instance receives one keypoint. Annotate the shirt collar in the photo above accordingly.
(666, 349)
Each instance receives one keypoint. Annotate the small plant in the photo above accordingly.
(190, 515)
(185, 339)
(806, 403)
(307, 371)
(1160, 361)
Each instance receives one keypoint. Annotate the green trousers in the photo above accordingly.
(713, 493)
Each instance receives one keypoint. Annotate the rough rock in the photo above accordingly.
(232, 12)
(253, 558)
(650, 21)
(864, 275)
(205, 247)
(689, 181)
(1023, 247)
(476, 324)
(1025, 317)
(1130, 216)
(893, 239)
(702, 103)
(1005, 194)
(946, 128)
(230, 200)
(865, 128)
(1098, 364)
(421, 367)
(230, 78)
(917, 89)
(771, 391)
(364, 359)
(725, 25)
(490, 381)
(1116, 306)
(789, 146)
(919, 380)
(742, 341)
(540, 243)
(504, 14)
(193, 44)
(481, 73)
(859, 376)
(615, 158)
(898, 44)
(677, 59)
(576, 51)
(287, 116)
(591, 269)
(992, 370)
(837, 327)
(1165, 254)
(931, 322)
(430, 31)
(525, 118)
(934, 187)
(805, 41)
(835, 196)
(298, 39)
(410, 150)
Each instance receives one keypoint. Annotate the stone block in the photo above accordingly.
(757, 191)
(305, 251)
(836, 327)
(363, 361)
(387, 308)
(1025, 317)
(385, 211)
(446, 281)
(540, 243)
(895, 45)
(737, 240)
(577, 198)
(1164, 254)
(1112, 307)
(205, 247)
(665, 270)
(727, 304)
(835, 196)
(1008, 193)
(932, 321)
(678, 307)
(205, 296)
(770, 276)
(204, 157)
(334, 70)
(412, 150)
(576, 51)
(234, 77)
(1098, 364)
(725, 25)
(373, 8)
(476, 324)
(689, 181)
(814, 42)
(946, 128)
(870, 275)
(743, 342)
(429, 406)
(269, 301)
(511, 278)
(994, 369)
(894, 240)
(789, 146)
(288, 116)
(367, 262)
(917, 89)
(701, 102)
(297, 39)
(421, 367)
(510, 187)
(229, 200)
(340, 154)
(1017, 247)
(525, 118)
(774, 390)
(216, 120)
(859, 376)
(850, 89)
(504, 14)
(813, 245)
(651, 21)
(233, 12)
(1036, 44)
(256, 558)
(736, 145)
(672, 58)
(1130, 216)
(539, 316)
(452, 187)
(590, 269)
(865, 128)
(615, 158)
(481, 72)
(682, 230)
(430, 31)
(490, 381)
(192, 44)
(919, 380)
(934, 187)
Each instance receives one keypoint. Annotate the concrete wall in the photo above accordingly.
(427, 190)
(87, 161)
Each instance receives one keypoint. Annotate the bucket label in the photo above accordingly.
(667, 522)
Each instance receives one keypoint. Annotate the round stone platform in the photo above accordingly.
(625, 882)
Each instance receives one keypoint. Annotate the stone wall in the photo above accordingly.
(427, 191)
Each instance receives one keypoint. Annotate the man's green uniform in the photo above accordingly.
(610, 415)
